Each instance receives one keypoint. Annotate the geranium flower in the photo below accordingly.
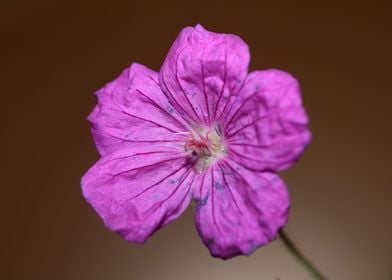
(202, 128)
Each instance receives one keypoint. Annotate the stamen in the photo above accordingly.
(206, 147)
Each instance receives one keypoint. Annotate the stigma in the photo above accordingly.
(206, 146)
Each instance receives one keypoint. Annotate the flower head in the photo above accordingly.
(202, 128)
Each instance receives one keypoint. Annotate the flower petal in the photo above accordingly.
(137, 191)
(133, 109)
(267, 126)
(202, 71)
(239, 210)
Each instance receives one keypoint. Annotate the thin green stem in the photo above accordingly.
(300, 257)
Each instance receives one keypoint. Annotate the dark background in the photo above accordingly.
(55, 54)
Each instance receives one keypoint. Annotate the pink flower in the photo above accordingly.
(202, 128)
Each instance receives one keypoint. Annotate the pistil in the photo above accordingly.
(206, 147)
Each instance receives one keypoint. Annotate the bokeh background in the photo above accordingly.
(55, 54)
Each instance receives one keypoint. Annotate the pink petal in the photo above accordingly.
(136, 191)
(202, 71)
(240, 210)
(267, 126)
(133, 110)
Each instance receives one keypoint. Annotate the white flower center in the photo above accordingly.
(206, 147)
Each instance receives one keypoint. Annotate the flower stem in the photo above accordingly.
(300, 257)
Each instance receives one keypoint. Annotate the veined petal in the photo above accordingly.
(202, 72)
(132, 109)
(239, 210)
(137, 191)
(267, 126)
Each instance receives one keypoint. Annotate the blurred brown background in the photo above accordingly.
(55, 54)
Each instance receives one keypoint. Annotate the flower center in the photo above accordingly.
(206, 146)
